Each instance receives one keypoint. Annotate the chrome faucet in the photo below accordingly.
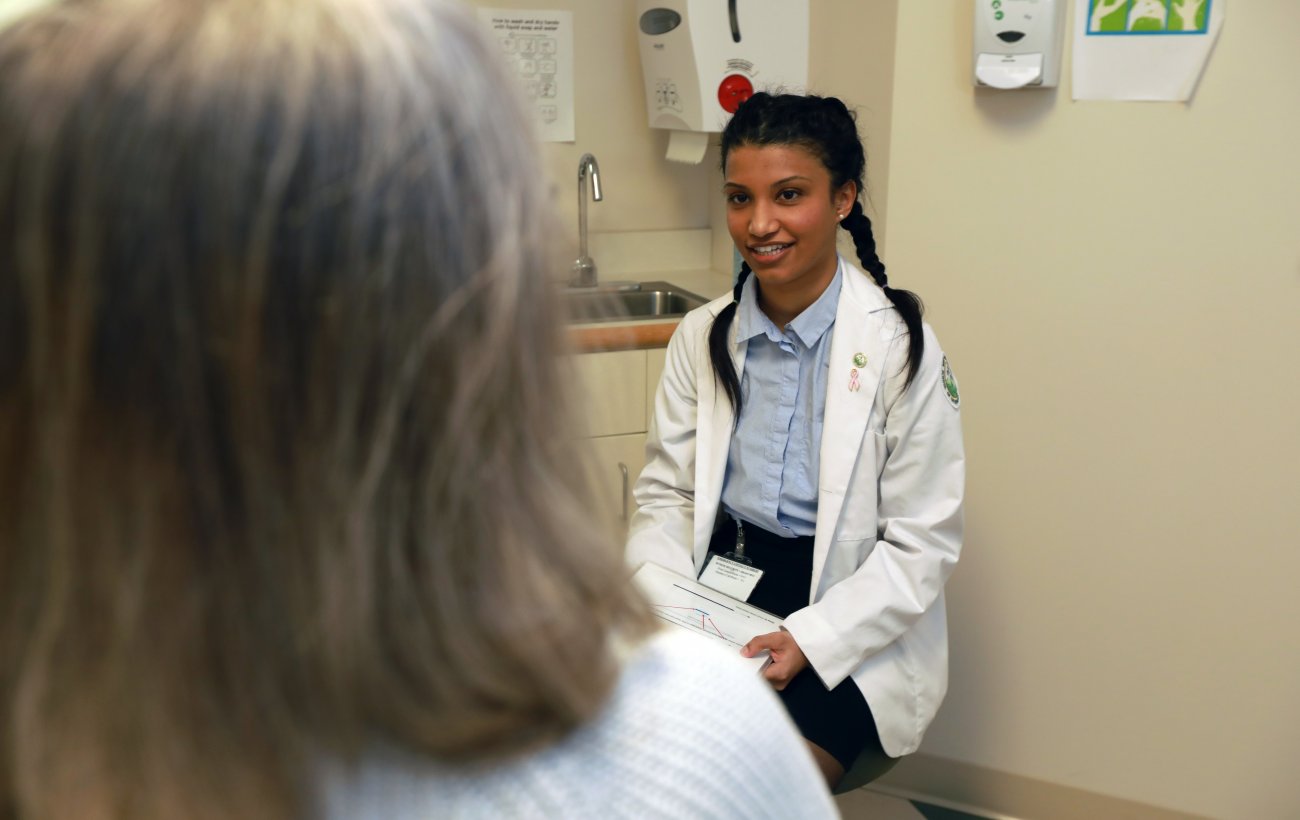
(584, 269)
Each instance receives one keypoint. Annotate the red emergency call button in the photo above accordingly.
(734, 90)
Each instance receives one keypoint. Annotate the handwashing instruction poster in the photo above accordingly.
(1143, 49)
(538, 47)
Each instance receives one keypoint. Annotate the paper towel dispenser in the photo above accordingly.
(701, 58)
(1018, 43)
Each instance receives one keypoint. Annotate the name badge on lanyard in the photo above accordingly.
(732, 574)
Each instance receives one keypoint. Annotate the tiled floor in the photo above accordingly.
(864, 804)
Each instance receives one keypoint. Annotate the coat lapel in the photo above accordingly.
(713, 442)
(860, 342)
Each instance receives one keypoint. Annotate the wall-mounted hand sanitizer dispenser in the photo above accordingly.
(702, 58)
(1018, 43)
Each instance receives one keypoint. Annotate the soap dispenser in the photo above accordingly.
(1018, 43)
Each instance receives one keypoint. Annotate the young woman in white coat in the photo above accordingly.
(812, 416)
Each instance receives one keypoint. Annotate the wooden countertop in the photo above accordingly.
(621, 337)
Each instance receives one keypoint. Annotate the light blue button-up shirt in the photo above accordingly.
(771, 478)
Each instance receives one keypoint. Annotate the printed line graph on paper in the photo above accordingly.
(695, 616)
(690, 605)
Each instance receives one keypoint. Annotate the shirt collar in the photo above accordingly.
(807, 326)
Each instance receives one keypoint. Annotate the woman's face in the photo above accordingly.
(783, 215)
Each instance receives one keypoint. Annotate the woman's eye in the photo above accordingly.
(788, 195)
(737, 199)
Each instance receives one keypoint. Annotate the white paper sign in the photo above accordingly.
(1153, 50)
(538, 46)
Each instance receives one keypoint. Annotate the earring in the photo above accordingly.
(841, 217)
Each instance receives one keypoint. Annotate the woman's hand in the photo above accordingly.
(787, 658)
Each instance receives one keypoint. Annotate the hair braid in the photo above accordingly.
(908, 304)
(720, 347)
(864, 240)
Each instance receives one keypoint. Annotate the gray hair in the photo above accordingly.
(284, 462)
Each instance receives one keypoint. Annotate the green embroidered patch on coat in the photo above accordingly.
(950, 384)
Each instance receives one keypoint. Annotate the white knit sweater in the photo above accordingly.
(688, 733)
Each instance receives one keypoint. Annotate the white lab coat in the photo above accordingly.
(889, 518)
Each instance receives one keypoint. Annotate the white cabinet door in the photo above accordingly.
(654, 368)
(616, 462)
(614, 387)
(619, 389)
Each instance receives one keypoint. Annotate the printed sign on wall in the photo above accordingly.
(1143, 17)
(1150, 50)
(538, 47)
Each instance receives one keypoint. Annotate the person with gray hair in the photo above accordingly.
(292, 520)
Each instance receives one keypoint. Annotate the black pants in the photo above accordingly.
(838, 720)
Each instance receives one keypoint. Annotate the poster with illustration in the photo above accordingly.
(1150, 50)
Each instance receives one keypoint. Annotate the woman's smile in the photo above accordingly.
(783, 215)
(769, 253)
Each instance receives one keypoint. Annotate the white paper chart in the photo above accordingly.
(538, 47)
(690, 605)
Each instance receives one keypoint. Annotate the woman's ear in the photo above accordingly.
(843, 197)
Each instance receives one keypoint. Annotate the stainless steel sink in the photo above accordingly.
(652, 300)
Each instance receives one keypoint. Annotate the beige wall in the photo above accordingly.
(1118, 287)
(643, 190)
(852, 57)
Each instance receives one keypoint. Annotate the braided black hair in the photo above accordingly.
(827, 129)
